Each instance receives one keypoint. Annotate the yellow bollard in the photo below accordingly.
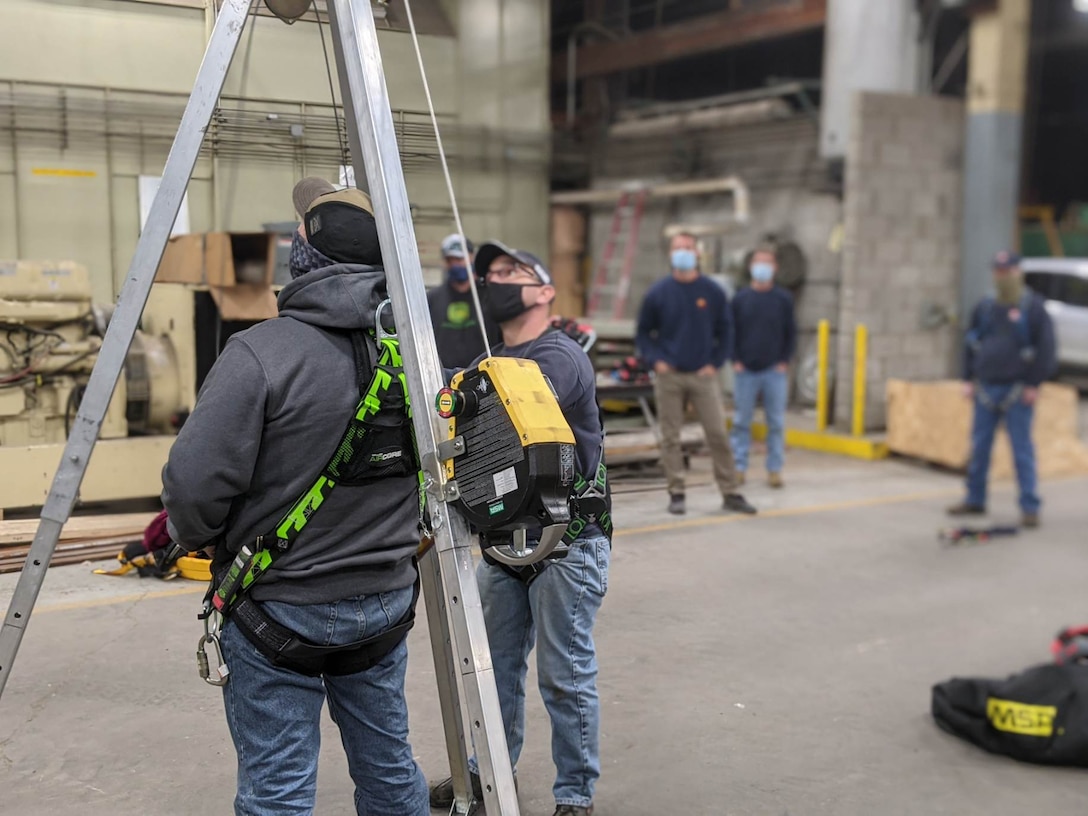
(823, 341)
(861, 352)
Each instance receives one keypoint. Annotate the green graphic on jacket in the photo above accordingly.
(459, 315)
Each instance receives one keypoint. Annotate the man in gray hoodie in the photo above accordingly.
(266, 423)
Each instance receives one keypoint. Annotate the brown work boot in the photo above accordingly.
(741, 479)
(1029, 521)
(775, 480)
(965, 509)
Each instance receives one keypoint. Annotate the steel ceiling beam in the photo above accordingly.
(699, 35)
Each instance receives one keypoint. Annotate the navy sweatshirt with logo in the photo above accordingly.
(687, 325)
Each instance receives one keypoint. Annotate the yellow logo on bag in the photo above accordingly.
(1020, 718)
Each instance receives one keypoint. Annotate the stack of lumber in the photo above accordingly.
(932, 421)
(84, 538)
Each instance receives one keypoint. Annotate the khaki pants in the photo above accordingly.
(673, 390)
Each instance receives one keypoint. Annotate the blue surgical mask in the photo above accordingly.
(762, 272)
(458, 273)
(683, 260)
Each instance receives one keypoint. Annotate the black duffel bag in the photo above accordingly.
(1039, 715)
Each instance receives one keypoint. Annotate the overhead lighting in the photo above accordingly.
(1081, 6)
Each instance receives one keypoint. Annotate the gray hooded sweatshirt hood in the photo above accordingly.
(267, 420)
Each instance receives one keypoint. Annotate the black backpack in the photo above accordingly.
(1039, 715)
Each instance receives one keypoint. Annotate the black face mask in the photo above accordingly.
(502, 301)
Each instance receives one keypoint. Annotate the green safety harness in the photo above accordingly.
(377, 444)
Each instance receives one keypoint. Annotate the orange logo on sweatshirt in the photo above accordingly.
(701, 303)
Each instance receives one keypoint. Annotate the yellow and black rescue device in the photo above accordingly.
(511, 455)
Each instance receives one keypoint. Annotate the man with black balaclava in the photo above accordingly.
(267, 422)
(1009, 351)
(453, 315)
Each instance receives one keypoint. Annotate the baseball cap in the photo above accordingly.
(493, 249)
(1006, 259)
(452, 248)
(338, 223)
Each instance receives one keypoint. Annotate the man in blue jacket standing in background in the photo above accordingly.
(685, 335)
(1009, 351)
(765, 337)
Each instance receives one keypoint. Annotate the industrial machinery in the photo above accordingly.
(50, 334)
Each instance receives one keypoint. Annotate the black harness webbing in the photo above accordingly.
(287, 650)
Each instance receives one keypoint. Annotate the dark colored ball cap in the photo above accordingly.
(493, 249)
(1006, 260)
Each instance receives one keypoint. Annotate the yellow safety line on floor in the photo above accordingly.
(196, 589)
(877, 501)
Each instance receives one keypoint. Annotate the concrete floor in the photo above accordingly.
(772, 665)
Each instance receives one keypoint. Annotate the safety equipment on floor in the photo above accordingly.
(510, 466)
(156, 556)
(377, 444)
(1071, 645)
(1039, 715)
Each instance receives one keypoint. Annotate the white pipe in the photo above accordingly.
(676, 189)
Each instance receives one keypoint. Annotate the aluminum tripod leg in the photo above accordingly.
(366, 103)
(111, 358)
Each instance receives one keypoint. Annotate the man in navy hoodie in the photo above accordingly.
(685, 335)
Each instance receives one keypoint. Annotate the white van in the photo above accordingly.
(1064, 284)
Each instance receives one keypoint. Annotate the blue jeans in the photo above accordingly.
(748, 386)
(275, 714)
(1018, 418)
(556, 611)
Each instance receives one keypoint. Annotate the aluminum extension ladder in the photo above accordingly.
(470, 705)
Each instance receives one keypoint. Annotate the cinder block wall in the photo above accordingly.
(901, 249)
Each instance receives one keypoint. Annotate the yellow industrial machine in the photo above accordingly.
(50, 334)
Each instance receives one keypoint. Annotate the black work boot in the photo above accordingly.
(965, 509)
(442, 794)
(676, 504)
(736, 503)
(573, 810)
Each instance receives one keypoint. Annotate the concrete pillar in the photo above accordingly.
(997, 70)
(869, 45)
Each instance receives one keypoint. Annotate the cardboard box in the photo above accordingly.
(219, 259)
(246, 301)
(568, 231)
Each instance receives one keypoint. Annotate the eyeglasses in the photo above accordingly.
(513, 271)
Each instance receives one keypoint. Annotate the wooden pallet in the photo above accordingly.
(114, 525)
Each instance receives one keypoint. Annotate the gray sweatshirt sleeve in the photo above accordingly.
(212, 460)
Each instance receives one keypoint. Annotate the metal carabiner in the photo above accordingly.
(203, 665)
(379, 328)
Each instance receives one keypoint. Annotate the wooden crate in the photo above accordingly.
(932, 421)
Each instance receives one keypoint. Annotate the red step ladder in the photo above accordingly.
(608, 295)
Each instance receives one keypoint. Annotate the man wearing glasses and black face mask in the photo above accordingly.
(558, 606)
